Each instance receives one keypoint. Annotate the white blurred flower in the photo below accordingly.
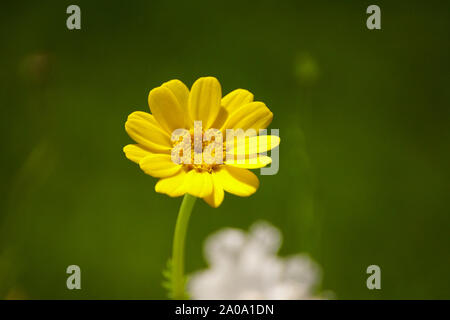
(246, 266)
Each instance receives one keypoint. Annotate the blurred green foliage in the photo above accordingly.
(363, 117)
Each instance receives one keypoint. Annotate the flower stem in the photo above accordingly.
(178, 246)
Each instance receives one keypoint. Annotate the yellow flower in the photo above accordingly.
(174, 107)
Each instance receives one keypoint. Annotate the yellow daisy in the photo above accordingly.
(174, 107)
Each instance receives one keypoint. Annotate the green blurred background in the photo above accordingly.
(363, 116)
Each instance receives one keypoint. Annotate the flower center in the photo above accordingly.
(199, 151)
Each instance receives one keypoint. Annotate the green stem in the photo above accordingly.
(178, 246)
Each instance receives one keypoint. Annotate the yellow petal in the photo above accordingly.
(204, 101)
(135, 152)
(250, 162)
(181, 92)
(159, 165)
(236, 99)
(240, 182)
(216, 197)
(172, 186)
(251, 146)
(254, 115)
(198, 184)
(221, 118)
(145, 130)
(166, 109)
(140, 115)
